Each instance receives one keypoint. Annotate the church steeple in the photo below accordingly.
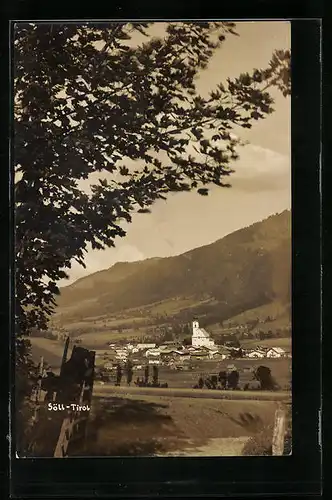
(195, 325)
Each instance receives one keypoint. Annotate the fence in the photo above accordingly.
(74, 425)
(71, 427)
(278, 439)
(78, 371)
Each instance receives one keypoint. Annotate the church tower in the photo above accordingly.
(195, 326)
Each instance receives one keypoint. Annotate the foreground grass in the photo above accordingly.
(284, 342)
(143, 425)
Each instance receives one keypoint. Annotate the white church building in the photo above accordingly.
(200, 337)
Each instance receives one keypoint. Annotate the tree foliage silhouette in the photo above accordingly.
(264, 376)
(91, 100)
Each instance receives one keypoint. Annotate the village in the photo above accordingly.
(179, 355)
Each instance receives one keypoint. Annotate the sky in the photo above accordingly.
(261, 183)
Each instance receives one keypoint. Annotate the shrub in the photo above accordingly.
(288, 433)
(264, 376)
(260, 444)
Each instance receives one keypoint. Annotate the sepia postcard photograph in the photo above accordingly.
(152, 188)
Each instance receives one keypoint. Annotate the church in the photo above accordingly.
(200, 337)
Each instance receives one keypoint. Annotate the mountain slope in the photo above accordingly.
(246, 269)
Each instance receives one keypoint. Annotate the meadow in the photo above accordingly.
(136, 425)
(284, 342)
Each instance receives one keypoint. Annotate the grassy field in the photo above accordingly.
(95, 340)
(77, 316)
(280, 369)
(136, 425)
(284, 342)
(274, 309)
(107, 389)
(176, 305)
(94, 323)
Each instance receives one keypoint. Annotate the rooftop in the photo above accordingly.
(278, 349)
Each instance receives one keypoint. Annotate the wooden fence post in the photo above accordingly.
(278, 439)
(68, 428)
(71, 425)
(65, 352)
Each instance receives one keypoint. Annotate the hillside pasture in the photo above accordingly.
(176, 305)
(284, 342)
(274, 309)
(100, 340)
(95, 323)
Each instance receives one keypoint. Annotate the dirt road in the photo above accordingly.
(215, 447)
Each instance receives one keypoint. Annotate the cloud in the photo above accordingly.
(261, 169)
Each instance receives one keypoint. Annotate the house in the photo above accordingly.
(212, 352)
(121, 353)
(275, 352)
(166, 352)
(152, 352)
(212, 348)
(182, 352)
(200, 337)
(199, 353)
(173, 347)
(141, 347)
(256, 354)
(183, 355)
